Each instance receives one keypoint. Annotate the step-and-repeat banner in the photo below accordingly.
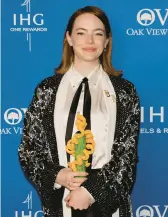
(32, 37)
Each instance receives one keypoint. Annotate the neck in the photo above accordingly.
(84, 68)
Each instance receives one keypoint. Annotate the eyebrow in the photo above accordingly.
(94, 29)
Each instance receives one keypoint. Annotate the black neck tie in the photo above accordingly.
(86, 113)
(70, 123)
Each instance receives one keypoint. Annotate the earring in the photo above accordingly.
(105, 49)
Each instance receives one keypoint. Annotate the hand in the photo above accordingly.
(72, 199)
(66, 178)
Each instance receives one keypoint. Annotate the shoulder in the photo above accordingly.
(123, 85)
(125, 90)
(48, 85)
(50, 81)
(121, 82)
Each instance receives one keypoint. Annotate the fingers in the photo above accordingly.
(74, 180)
(72, 188)
(80, 174)
(82, 181)
(73, 185)
(67, 198)
(79, 180)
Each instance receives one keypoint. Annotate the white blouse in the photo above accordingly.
(103, 117)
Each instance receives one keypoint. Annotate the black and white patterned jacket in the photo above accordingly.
(38, 155)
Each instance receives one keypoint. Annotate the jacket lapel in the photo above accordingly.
(120, 109)
(48, 118)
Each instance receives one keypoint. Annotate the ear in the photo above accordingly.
(68, 37)
(106, 42)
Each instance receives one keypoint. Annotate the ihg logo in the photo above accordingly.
(28, 19)
(29, 212)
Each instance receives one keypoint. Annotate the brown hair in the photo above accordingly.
(68, 53)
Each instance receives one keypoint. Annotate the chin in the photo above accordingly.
(89, 59)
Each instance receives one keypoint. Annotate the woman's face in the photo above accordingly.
(88, 37)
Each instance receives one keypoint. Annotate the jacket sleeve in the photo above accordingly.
(115, 179)
(34, 154)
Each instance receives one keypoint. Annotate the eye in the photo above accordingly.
(99, 34)
(80, 33)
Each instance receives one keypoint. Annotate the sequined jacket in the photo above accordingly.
(38, 155)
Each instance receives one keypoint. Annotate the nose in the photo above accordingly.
(90, 39)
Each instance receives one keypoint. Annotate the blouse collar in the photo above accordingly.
(94, 76)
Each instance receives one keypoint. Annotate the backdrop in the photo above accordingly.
(32, 36)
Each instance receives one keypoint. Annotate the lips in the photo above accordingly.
(90, 49)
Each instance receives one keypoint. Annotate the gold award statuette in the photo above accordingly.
(80, 146)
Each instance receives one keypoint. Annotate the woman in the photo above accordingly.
(113, 106)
